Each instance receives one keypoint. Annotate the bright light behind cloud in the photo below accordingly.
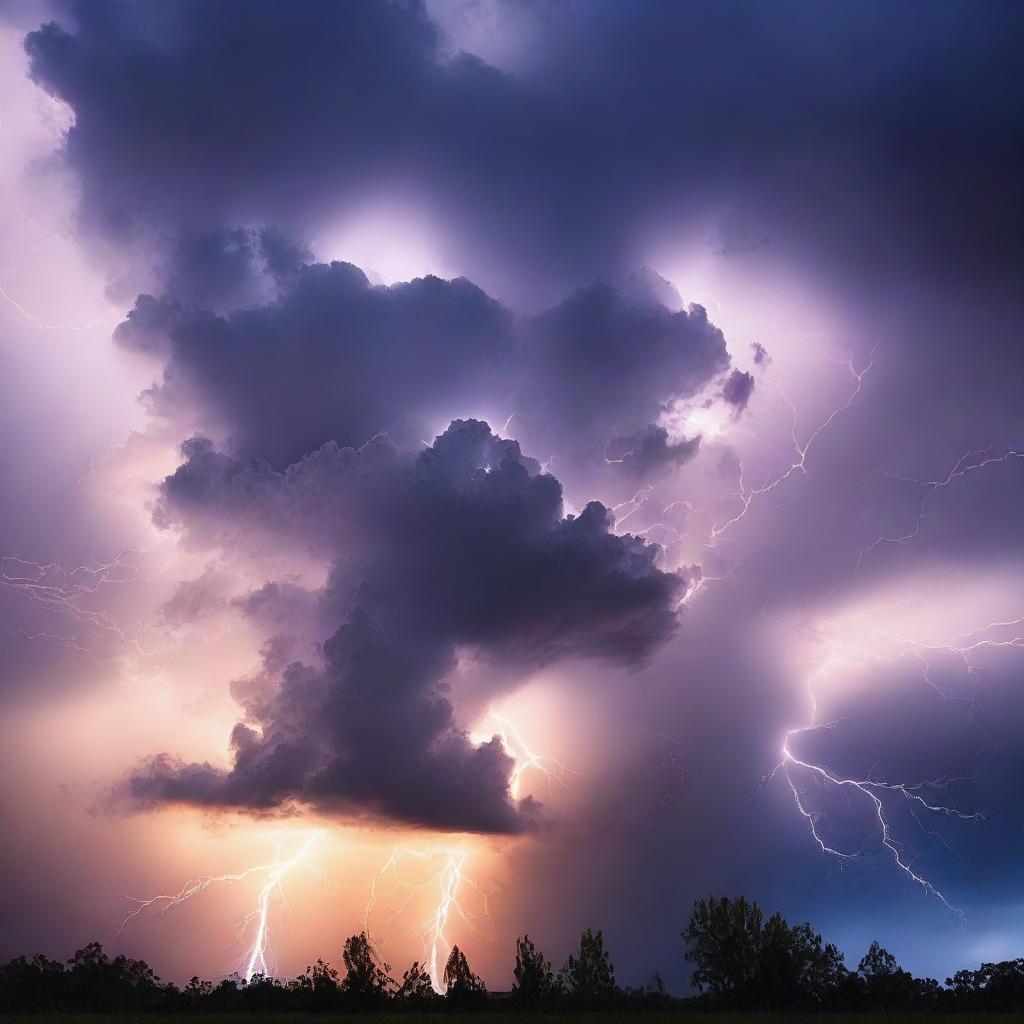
(391, 239)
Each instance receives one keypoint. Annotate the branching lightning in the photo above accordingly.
(970, 462)
(447, 876)
(443, 868)
(1006, 633)
(917, 795)
(23, 311)
(802, 450)
(888, 648)
(260, 958)
(67, 590)
(523, 757)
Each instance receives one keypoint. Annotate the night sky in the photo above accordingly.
(567, 452)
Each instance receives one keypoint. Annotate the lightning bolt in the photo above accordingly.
(67, 590)
(1006, 634)
(524, 759)
(802, 450)
(259, 959)
(633, 505)
(970, 462)
(24, 312)
(447, 876)
(716, 426)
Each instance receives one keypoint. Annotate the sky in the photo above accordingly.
(509, 465)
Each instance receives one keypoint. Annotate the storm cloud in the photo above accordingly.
(464, 547)
(552, 172)
(334, 358)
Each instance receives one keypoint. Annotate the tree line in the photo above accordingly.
(741, 960)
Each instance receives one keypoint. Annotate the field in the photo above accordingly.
(582, 1017)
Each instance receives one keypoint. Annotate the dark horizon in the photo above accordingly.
(742, 959)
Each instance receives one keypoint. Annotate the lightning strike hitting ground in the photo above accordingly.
(446, 875)
(445, 866)
(260, 957)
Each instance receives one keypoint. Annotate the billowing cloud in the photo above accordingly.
(558, 169)
(465, 547)
(648, 453)
(738, 388)
(334, 358)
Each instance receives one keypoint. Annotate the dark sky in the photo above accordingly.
(652, 368)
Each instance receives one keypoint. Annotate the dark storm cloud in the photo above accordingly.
(333, 359)
(738, 388)
(215, 497)
(208, 131)
(336, 358)
(229, 269)
(905, 142)
(465, 546)
(647, 454)
(613, 362)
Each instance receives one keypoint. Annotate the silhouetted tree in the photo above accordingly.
(461, 984)
(367, 978)
(1003, 985)
(36, 984)
(95, 982)
(886, 985)
(318, 988)
(416, 988)
(994, 986)
(741, 959)
(723, 941)
(589, 977)
(262, 994)
(535, 981)
(795, 968)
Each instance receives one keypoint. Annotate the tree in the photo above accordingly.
(887, 986)
(460, 983)
(318, 987)
(535, 981)
(263, 994)
(367, 977)
(590, 976)
(36, 984)
(742, 959)
(416, 987)
(196, 989)
(794, 967)
(723, 941)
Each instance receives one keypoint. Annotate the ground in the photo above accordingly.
(441, 1017)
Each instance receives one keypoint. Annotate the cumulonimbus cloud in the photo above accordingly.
(464, 546)
(334, 358)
